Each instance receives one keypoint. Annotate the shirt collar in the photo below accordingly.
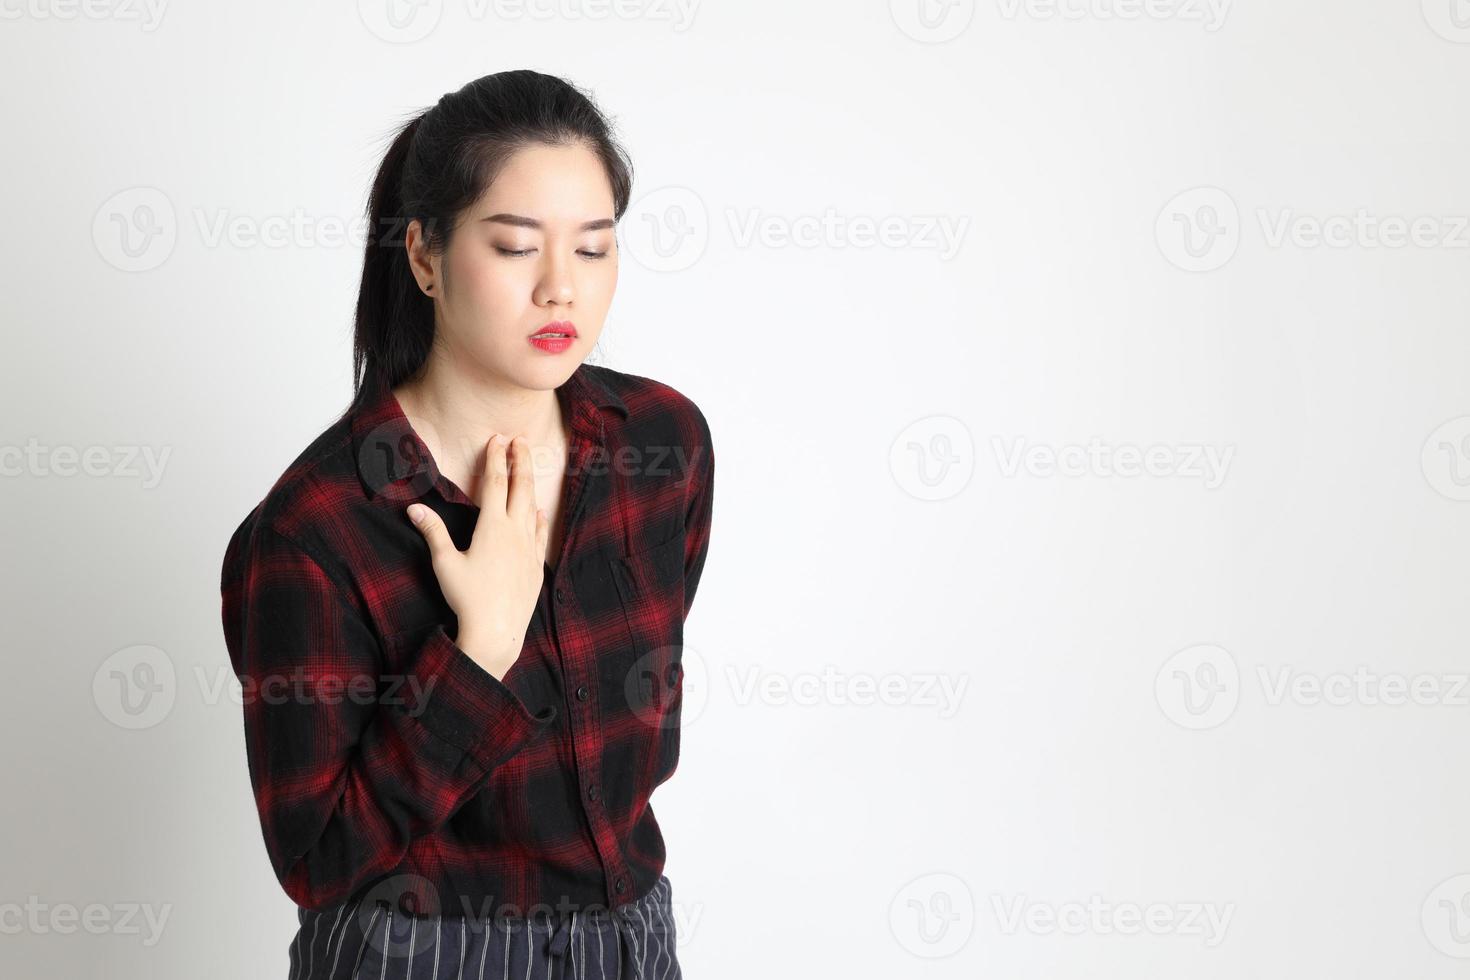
(393, 461)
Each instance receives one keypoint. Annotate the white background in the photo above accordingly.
(1132, 200)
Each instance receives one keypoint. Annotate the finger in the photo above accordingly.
(543, 530)
(432, 528)
(521, 495)
(493, 477)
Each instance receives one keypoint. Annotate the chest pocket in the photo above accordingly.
(650, 585)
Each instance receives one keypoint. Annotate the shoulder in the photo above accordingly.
(665, 435)
(307, 505)
(656, 406)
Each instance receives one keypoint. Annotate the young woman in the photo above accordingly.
(457, 617)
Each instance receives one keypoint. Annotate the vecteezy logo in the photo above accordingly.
(1199, 229)
(667, 687)
(400, 21)
(1450, 19)
(932, 21)
(1198, 687)
(134, 687)
(135, 230)
(933, 916)
(933, 458)
(1445, 458)
(394, 451)
(387, 913)
(1446, 917)
(668, 231)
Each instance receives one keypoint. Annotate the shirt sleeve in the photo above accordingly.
(698, 509)
(349, 764)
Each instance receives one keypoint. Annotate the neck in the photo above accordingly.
(455, 410)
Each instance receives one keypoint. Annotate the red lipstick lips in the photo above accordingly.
(554, 337)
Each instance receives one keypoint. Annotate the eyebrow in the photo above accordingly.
(520, 221)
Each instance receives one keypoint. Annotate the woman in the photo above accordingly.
(457, 617)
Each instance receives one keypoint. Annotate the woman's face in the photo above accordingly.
(538, 248)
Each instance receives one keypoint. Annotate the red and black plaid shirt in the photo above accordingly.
(377, 749)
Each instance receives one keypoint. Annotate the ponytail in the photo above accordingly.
(392, 312)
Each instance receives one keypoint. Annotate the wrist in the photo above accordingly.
(486, 651)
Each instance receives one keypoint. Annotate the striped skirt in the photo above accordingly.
(632, 942)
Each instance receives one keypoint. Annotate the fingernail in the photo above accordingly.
(416, 512)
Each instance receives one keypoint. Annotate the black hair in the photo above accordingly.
(438, 165)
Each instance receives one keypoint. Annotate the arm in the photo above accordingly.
(698, 507)
(344, 782)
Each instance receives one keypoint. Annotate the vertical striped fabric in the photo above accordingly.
(637, 942)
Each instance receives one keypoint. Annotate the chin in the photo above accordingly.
(543, 371)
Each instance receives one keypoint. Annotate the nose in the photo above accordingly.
(555, 285)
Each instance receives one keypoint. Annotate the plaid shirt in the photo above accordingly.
(380, 754)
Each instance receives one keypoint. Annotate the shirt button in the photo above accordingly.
(621, 884)
(561, 594)
(592, 792)
(582, 694)
(674, 674)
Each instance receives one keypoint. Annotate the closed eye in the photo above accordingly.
(521, 253)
